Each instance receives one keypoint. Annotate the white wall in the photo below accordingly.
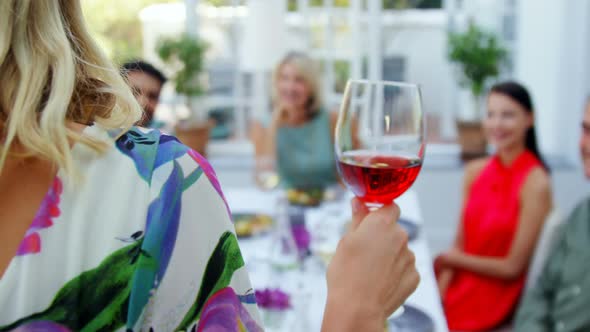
(552, 60)
(168, 20)
(485, 12)
(574, 82)
(422, 40)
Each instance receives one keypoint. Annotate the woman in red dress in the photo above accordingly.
(506, 199)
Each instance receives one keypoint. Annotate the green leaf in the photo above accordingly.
(188, 52)
(224, 261)
(96, 299)
(479, 54)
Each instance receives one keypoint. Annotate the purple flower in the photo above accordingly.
(48, 210)
(273, 299)
(41, 326)
(224, 312)
(302, 237)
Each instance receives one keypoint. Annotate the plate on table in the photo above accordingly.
(305, 197)
(411, 320)
(251, 224)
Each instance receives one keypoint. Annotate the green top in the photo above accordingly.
(305, 154)
(561, 298)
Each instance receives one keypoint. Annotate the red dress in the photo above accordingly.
(474, 302)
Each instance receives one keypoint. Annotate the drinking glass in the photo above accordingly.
(265, 172)
(379, 139)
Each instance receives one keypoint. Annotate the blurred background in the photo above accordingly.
(544, 44)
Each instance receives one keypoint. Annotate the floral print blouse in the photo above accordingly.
(142, 242)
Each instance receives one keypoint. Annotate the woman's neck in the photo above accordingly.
(296, 117)
(508, 155)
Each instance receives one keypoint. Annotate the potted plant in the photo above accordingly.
(186, 55)
(478, 55)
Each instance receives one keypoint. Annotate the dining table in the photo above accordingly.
(306, 283)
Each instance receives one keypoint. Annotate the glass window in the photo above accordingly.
(409, 4)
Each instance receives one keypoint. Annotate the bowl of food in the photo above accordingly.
(305, 197)
(251, 224)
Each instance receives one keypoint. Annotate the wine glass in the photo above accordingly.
(380, 139)
(265, 172)
(283, 254)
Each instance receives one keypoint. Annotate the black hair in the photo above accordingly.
(519, 94)
(140, 65)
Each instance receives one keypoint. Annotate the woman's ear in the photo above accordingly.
(531, 119)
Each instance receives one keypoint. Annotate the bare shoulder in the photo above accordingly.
(537, 183)
(474, 167)
(472, 170)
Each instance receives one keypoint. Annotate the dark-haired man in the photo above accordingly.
(146, 82)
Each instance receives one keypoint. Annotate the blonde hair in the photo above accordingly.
(52, 74)
(308, 70)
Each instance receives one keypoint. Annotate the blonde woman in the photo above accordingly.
(299, 133)
(111, 229)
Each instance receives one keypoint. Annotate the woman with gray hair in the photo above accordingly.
(299, 133)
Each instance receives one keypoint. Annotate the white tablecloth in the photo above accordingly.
(309, 286)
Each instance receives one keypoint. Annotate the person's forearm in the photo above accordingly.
(268, 140)
(347, 315)
(444, 279)
(494, 267)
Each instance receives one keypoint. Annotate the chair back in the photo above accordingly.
(545, 245)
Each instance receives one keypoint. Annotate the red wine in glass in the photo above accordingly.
(375, 178)
(379, 139)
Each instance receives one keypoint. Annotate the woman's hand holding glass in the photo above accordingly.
(372, 272)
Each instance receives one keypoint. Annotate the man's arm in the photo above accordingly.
(534, 311)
